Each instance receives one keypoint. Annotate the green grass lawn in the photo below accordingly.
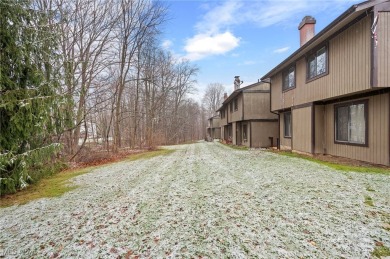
(339, 167)
(58, 184)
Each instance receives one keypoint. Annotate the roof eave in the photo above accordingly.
(348, 12)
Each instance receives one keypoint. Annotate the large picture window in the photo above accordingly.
(289, 78)
(317, 63)
(351, 123)
(287, 124)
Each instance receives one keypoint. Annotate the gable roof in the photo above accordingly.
(240, 90)
(332, 29)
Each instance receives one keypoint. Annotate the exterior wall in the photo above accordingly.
(349, 70)
(383, 49)
(236, 115)
(234, 133)
(216, 133)
(302, 129)
(224, 121)
(260, 131)
(319, 132)
(378, 133)
(261, 86)
(285, 143)
(256, 106)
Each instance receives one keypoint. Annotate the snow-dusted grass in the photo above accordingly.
(206, 200)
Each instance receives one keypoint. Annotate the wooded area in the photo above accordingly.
(78, 73)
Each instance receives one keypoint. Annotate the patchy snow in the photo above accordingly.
(205, 200)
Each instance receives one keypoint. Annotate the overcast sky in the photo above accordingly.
(245, 38)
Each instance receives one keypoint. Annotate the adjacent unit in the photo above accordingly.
(245, 116)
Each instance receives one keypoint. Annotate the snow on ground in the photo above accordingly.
(205, 200)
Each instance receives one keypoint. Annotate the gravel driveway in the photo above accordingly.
(205, 200)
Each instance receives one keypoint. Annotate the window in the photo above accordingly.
(231, 107)
(235, 102)
(287, 124)
(222, 112)
(351, 123)
(289, 78)
(317, 63)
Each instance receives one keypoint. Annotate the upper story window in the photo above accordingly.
(289, 78)
(222, 113)
(317, 63)
(231, 107)
(235, 102)
(351, 123)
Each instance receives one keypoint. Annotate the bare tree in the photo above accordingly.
(139, 20)
(213, 98)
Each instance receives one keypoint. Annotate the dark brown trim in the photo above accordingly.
(264, 120)
(313, 136)
(366, 103)
(256, 91)
(313, 52)
(339, 99)
(300, 106)
(356, 96)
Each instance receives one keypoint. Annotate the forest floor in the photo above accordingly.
(206, 200)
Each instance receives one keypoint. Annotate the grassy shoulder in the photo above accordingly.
(234, 146)
(58, 184)
(339, 167)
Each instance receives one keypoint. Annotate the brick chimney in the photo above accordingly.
(306, 29)
(225, 96)
(237, 82)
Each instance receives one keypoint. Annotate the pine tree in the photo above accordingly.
(28, 99)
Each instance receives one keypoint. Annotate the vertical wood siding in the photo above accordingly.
(319, 112)
(236, 115)
(378, 133)
(301, 129)
(285, 143)
(256, 106)
(261, 131)
(384, 49)
(349, 70)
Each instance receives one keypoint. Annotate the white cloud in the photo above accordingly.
(215, 31)
(166, 44)
(281, 50)
(203, 45)
(219, 17)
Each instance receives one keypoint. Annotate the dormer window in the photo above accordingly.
(317, 63)
(289, 78)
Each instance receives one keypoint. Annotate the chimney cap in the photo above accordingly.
(306, 20)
